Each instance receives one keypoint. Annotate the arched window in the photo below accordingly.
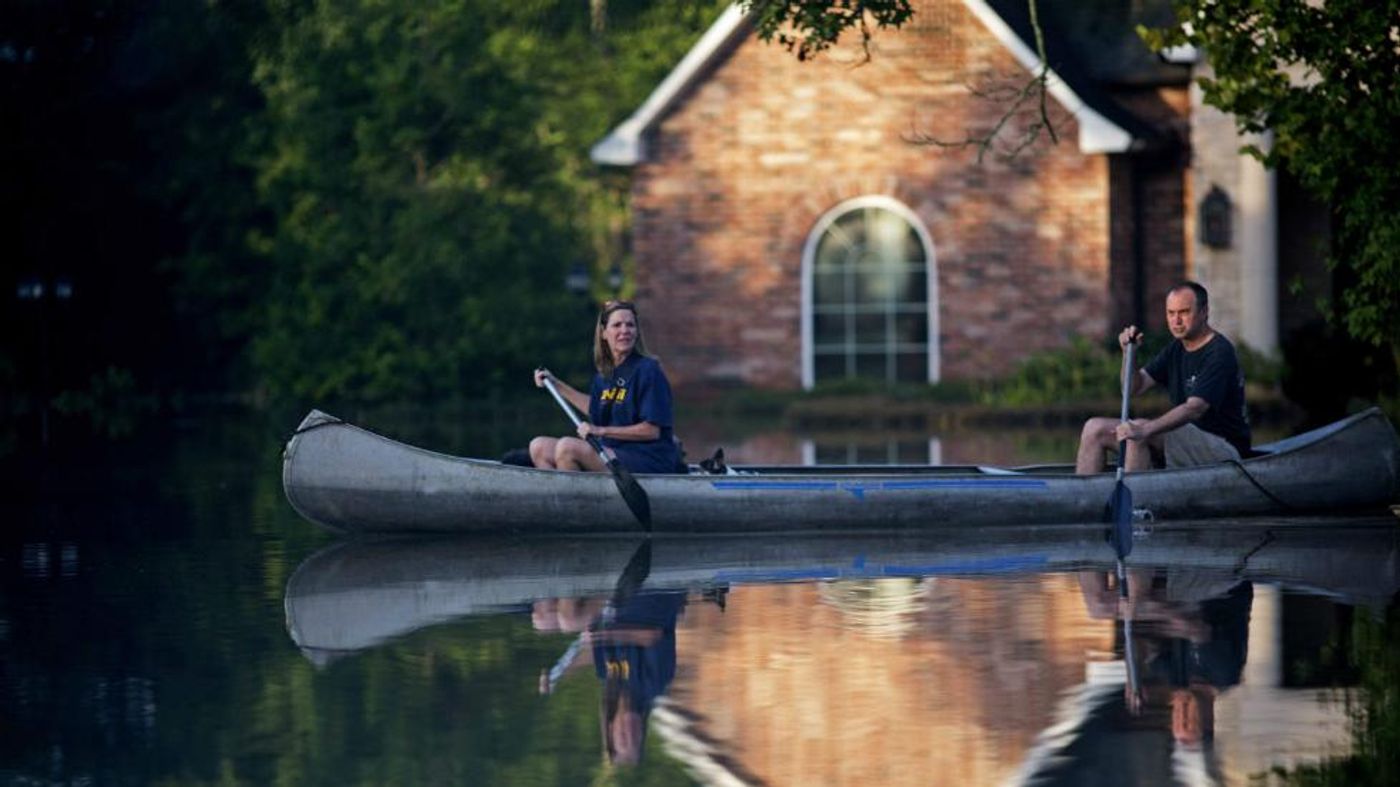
(869, 296)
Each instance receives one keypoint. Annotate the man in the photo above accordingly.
(1207, 422)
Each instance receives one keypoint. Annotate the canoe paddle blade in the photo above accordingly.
(1120, 515)
(632, 493)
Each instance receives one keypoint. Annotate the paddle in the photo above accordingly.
(1120, 503)
(628, 583)
(632, 492)
(1129, 657)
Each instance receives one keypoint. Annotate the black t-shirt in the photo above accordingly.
(1212, 373)
(1219, 659)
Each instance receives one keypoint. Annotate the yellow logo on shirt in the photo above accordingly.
(618, 395)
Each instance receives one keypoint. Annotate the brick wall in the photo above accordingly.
(763, 146)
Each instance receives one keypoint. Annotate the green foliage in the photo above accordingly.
(111, 403)
(1374, 711)
(807, 27)
(1324, 78)
(1330, 374)
(1260, 368)
(1082, 372)
(410, 186)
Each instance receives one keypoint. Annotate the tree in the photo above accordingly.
(425, 165)
(1324, 79)
(809, 27)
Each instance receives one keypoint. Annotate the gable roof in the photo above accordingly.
(623, 145)
(1104, 127)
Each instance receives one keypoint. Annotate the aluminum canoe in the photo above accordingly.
(349, 479)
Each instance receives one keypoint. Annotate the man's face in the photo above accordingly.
(1184, 320)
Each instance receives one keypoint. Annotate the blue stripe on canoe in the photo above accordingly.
(979, 483)
(859, 488)
(858, 570)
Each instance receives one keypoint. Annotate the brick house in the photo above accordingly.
(787, 230)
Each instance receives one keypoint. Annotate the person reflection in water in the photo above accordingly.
(1189, 639)
(633, 651)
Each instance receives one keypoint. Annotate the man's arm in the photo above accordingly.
(1142, 381)
(1184, 413)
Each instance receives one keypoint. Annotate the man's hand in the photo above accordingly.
(1132, 430)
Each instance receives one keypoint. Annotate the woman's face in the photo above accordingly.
(620, 332)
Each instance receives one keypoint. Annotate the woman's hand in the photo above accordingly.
(541, 375)
(585, 429)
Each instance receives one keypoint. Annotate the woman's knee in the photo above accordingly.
(566, 450)
(542, 451)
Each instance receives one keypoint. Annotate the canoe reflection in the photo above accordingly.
(947, 657)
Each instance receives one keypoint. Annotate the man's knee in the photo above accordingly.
(1098, 430)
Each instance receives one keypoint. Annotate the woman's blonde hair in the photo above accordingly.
(602, 354)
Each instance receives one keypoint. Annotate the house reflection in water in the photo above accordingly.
(945, 680)
(884, 681)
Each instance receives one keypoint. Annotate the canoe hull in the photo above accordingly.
(358, 593)
(349, 479)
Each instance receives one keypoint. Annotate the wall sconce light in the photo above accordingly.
(1216, 219)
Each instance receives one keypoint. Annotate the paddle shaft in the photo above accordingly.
(1129, 372)
(636, 571)
(1129, 657)
(573, 415)
(1120, 502)
(632, 493)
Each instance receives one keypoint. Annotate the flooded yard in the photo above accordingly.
(165, 617)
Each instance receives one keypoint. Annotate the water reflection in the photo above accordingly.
(928, 658)
(1185, 642)
(629, 640)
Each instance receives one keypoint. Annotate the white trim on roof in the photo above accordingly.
(1097, 134)
(625, 145)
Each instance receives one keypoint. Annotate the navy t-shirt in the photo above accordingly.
(1212, 373)
(646, 670)
(638, 391)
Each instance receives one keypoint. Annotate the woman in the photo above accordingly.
(628, 404)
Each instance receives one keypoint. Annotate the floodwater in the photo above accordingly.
(166, 618)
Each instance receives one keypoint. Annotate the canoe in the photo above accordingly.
(359, 593)
(351, 480)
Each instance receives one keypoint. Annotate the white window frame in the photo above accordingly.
(809, 252)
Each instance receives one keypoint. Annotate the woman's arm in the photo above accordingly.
(571, 394)
(640, 432)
